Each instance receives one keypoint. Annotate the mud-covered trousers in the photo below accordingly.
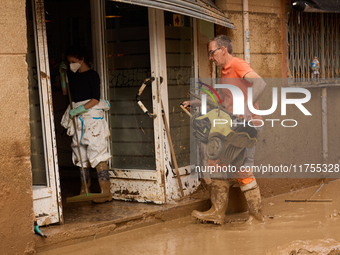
(93, 134)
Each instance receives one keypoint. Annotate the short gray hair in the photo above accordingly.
(223, 40)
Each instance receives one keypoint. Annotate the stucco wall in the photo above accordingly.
(16, 203)
(278, 145)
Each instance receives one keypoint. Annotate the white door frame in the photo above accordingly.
(134, 184)
(46, 199)
(189, 182)
(159, 91)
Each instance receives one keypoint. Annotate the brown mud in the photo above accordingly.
(289, 228)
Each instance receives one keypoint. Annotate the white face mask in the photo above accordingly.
(75, 67)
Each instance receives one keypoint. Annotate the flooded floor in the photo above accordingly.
(289, 228)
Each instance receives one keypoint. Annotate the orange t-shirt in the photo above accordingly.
(233, 73)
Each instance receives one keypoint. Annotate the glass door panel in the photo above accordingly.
(46, 188)
(128, 64)
(37, 144)
(180, 68)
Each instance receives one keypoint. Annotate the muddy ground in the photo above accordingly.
(289, 228)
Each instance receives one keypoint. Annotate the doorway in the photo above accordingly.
(129, 43)
(68, 23)
(128, 65)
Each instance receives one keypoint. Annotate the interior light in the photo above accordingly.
(47, 17)
(112, 11)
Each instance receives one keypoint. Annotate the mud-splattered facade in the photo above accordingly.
(16, 180)
(158, 182)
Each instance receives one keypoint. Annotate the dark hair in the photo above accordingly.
(79, 52)
(223, 40)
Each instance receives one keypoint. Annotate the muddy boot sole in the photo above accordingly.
(105, 199)
(206, 219)
(252, 220)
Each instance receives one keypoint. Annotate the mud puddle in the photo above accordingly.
(289, 228)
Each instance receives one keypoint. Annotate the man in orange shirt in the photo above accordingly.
(238, 73)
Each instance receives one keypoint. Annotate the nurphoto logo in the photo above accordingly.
(238, 104)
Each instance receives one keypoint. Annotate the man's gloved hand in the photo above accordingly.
(76, 111)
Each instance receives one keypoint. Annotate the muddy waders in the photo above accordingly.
(219, 202)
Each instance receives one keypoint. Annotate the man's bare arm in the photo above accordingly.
(258, 85)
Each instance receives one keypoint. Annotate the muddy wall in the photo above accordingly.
(16, 206)
(278, 145)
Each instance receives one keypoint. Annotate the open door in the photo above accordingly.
(46, 187)
(134, 46)
(139, 45)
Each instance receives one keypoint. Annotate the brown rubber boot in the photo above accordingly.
(104, 182)
(253, 198)
(219, 203)
(88, 181)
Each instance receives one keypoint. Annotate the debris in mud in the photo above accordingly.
(334, 252)
(304, 251)
(273, 216)
(310, 247)
(335, 214)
